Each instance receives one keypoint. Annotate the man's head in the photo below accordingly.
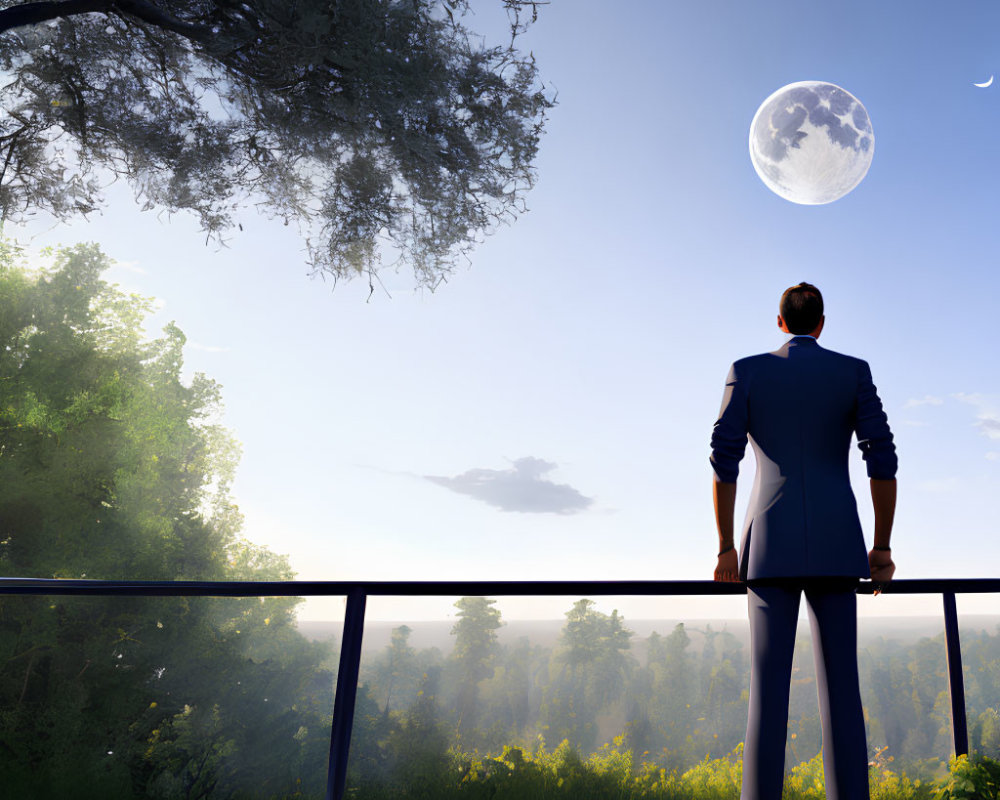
(801, 310)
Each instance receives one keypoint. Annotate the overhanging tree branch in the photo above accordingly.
(375, 127)
(12, 139)
(34, 13)
(155, 16)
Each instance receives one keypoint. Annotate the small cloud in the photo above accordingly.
(208, 348)
(988, 418)
(926, 400)
(989, 426)
(993, 455)
(521, 488)
(975, 398)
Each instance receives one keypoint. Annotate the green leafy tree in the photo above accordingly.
(591, 667)
(508, 702)
(368, 123)
(517, 684)
(929, 693)
(395, 673)
(111, 466)
(888, 695)
(727, 696)
(373, 736)
(981, 659)
(986, 732)
(675, 703)
(474, 656)
(419, 745)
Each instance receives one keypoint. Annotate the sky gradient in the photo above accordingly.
(546, 413)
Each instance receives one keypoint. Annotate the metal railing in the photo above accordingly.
(357, 593)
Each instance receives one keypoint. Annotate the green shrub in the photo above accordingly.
(712, 778)
(806, 781)
(518, 774)
(976, 778)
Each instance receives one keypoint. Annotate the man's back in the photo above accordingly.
(799, 406)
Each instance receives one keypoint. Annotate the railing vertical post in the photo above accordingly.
(956, 680)
(347, 692)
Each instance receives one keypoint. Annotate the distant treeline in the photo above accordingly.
(683, 702)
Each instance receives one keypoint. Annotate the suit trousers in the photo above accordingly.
(774, 610)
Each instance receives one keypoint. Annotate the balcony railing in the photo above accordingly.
(357, 593)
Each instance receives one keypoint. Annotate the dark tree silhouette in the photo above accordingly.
(379, 127)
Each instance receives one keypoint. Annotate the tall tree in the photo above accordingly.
(591, 670)
(676, 702)
(395, 673)
(371, 124)
(111, 467)
(474, 656)
(727, 695)
(420, 744)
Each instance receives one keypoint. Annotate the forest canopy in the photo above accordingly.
(380, 128)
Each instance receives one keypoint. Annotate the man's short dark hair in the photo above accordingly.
(801, 308)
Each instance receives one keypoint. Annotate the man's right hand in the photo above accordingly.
(881, 565)
(727, 569)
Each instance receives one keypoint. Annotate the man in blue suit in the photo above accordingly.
(799, 406)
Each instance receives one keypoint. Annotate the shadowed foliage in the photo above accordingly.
(375, 126)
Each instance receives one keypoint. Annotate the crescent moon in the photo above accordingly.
(984, 85)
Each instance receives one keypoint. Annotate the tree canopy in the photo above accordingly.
(381, 128)
(112, 467)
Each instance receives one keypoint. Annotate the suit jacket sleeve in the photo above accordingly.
(872, 429)
(729, 435)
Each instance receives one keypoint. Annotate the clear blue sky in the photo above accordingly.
(596, 332)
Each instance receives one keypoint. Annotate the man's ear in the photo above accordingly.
(781, 322)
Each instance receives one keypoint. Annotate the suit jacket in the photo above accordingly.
(799, 406)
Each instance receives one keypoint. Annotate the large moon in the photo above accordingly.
(811, 142)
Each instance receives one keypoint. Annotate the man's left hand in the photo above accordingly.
(728, 568)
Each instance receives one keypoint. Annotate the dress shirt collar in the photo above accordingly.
(800, 340)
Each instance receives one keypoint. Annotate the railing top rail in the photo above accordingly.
(582, 588)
